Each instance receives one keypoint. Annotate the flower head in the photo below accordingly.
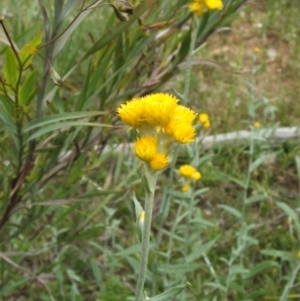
(256, 124)
(204, 120)
(185, 187)
(145, 148)
(256, 49)
(160, 121)
(197, 8)
(213, 4)
(189, 172)
(152, 110)
(200, 6)
(159, 161)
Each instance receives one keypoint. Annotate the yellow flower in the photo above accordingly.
(196, 176)
(298, 254)
(256, 124)
(160, 121)
(180, 126)
(200, 6)
(204, 120)
(183, 114)
(131, 113)
(213, 4)
(151, 110)
(197, 8)
(159, 161)
(183, 133)
(188, 171)
(145, 148)
(256, 49)
(159, 108)
(185, 187)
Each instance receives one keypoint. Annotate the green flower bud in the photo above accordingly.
(57, 80)
(124, 6)
(121, 16)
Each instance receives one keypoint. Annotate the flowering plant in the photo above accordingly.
(160, 121)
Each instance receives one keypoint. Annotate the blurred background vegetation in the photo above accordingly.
(68, 222)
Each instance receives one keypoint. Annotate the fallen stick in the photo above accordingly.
(279, 134)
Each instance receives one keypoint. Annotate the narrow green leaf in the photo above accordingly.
(69, 7)
(10, 68)
(63, 38)
(97, 273)
(28, 88)
(64, 125)
(276, 253)
(256, 198)
(200, 250)
(9, 288)
(72, 275)
(258, 268)
(129, 251)
(58, 8)
(203, 222)
(231, 210)
(218, 286)
(288, 211)
(29, 50)
(60, 117)
(119, 55)
(10, 125)
(200, 191)
(119, 28)
(178, 268)
(139, 221)
(82, 101)
(297, 159)
(170, 293)
(257, 163)
(138, 208)
(238, 182)
(184, 49)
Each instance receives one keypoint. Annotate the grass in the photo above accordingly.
(221, 90)
(88, 250)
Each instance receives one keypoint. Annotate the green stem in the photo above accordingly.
(151, 178)
(189, 63)
(290, 284)
(162, 215)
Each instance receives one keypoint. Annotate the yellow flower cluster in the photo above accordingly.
(189, 173)
(160, 121)
(204, 120)
(200, 6)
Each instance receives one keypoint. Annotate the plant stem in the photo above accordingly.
(189, 64)
(290, 284)
(151, 178)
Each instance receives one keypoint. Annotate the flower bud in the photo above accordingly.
(57, 80)
(124, 6)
